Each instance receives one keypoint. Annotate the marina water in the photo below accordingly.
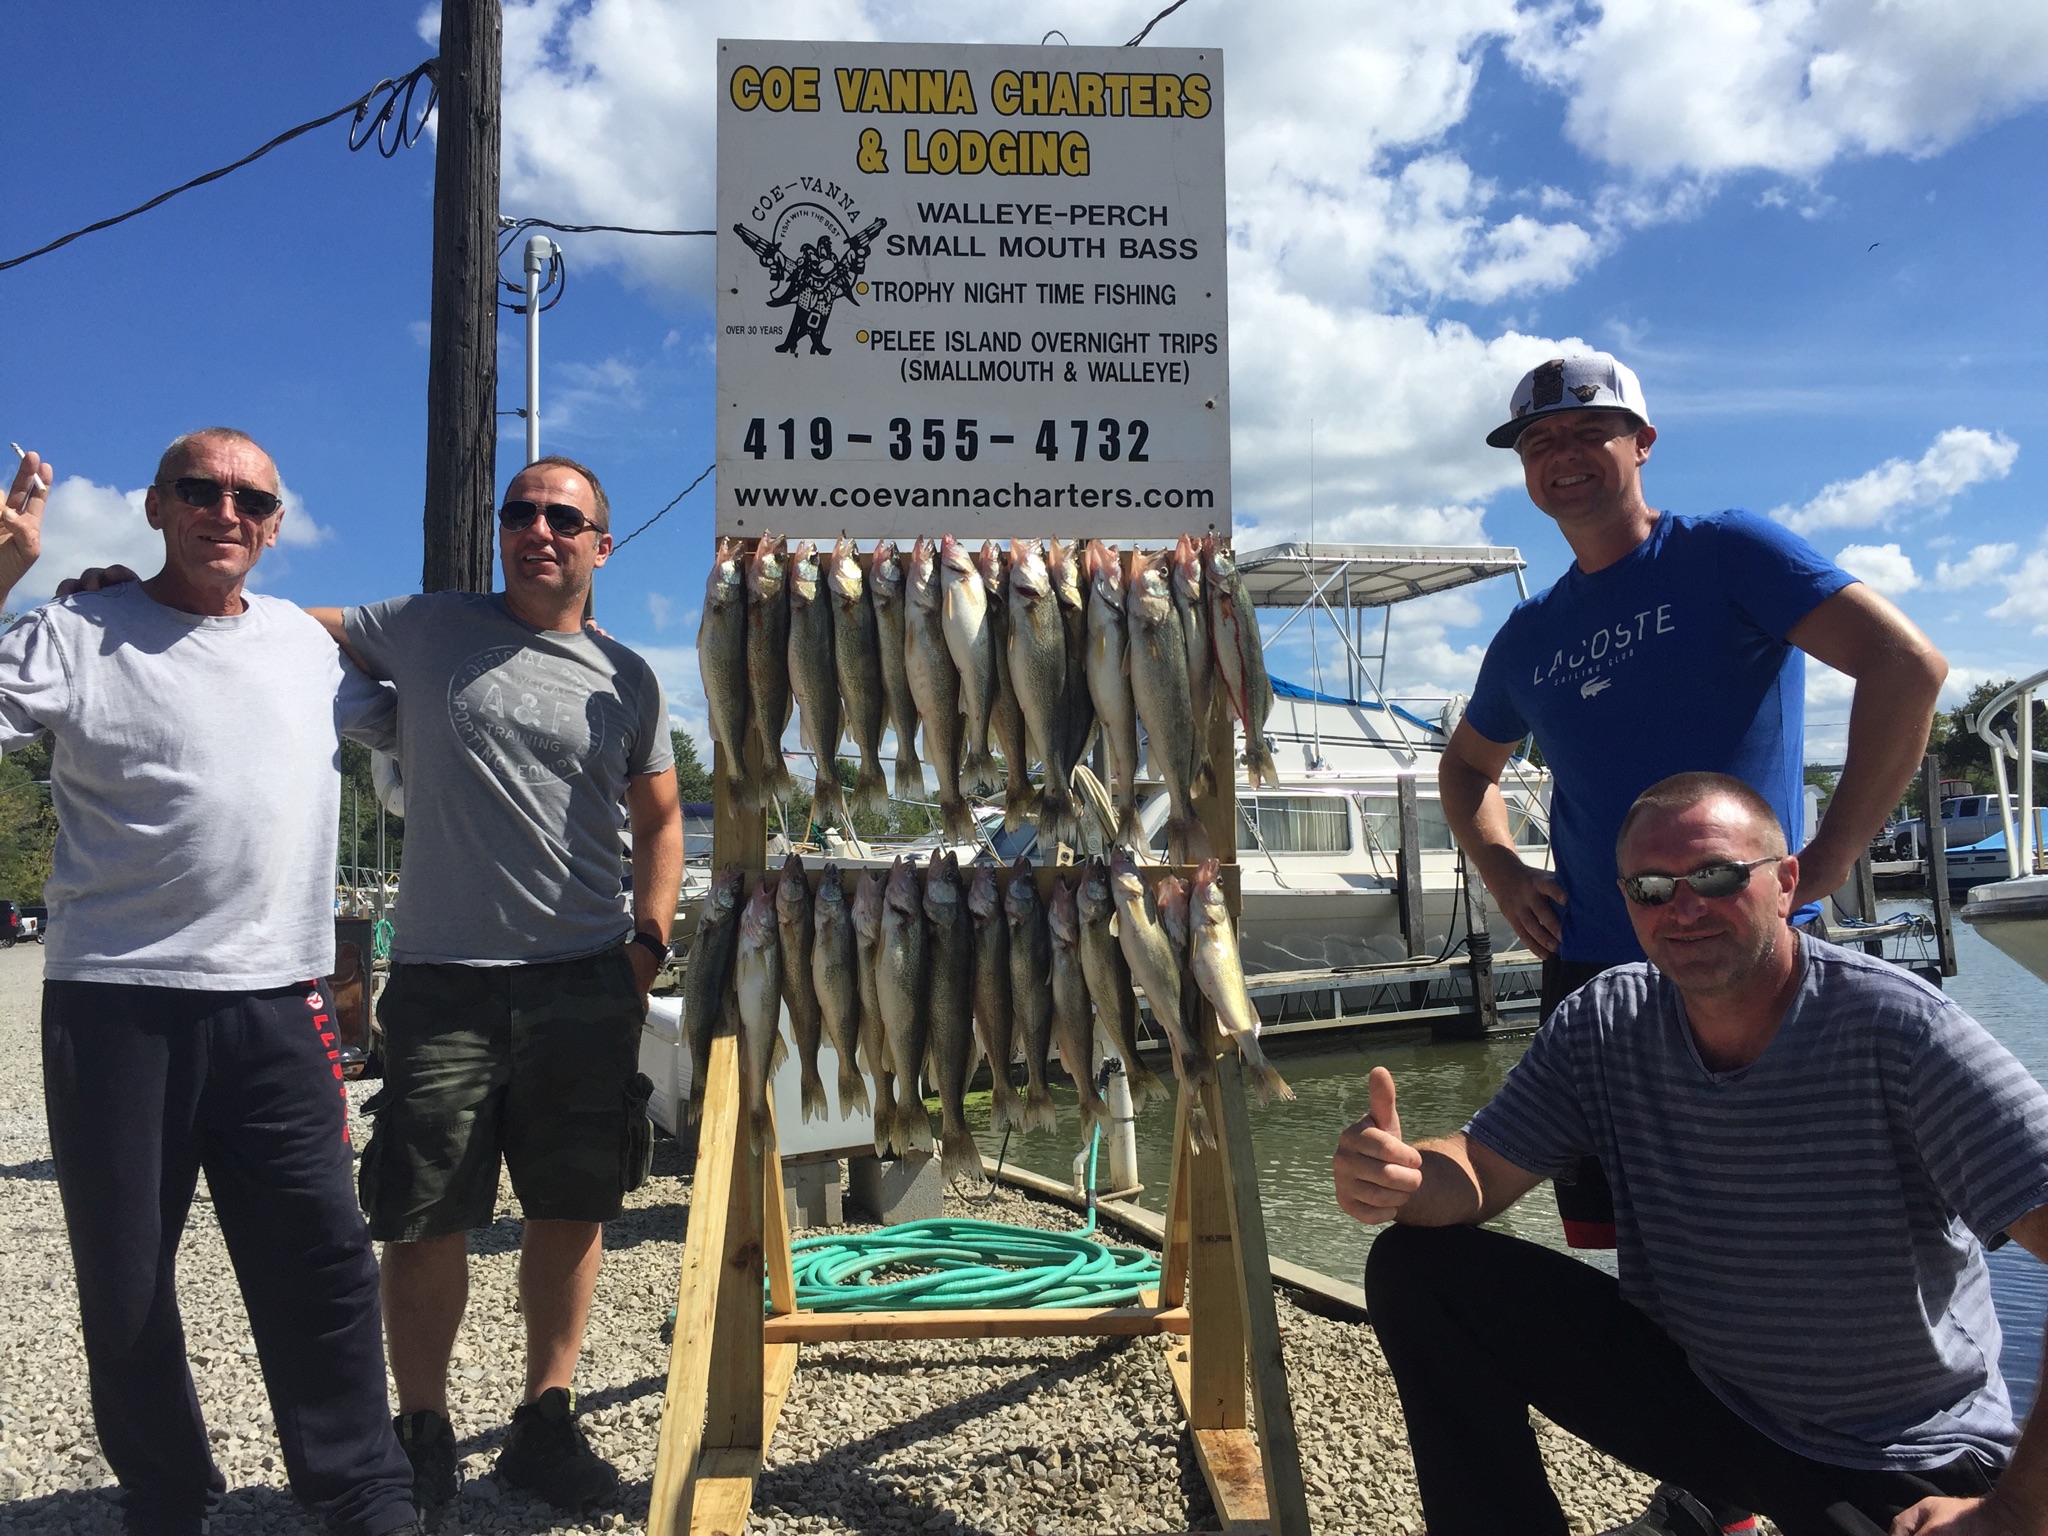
(1442, 1083)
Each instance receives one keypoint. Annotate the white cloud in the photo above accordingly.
(660, 609)
(2027, 600)
(1985, 562)
(1957, 460)
(1664, 88)
(682, 686)
(88, 524)
(1884, 566)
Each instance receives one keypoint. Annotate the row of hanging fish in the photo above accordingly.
(1025, 655)
(911, 972)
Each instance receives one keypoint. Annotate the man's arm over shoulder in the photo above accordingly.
(370, 634)
(1898, 675)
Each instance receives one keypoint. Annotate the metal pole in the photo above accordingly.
(540, 250)
(2020, 861)
(1937, 869)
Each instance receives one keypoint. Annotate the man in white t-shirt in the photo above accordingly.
(195, 767)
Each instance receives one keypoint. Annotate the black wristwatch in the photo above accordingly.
(652, 945)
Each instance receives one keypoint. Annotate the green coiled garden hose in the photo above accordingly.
(948, 1264)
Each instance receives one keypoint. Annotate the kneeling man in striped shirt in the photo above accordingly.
(1810, 1150)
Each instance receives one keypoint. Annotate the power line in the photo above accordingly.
(629, 538)
(557, 279)
(1147, 29)
(394, 126)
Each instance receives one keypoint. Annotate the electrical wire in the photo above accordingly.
(1146, 30)
(950, 1263)
(557, 278)
(392, 127)
(629, 538)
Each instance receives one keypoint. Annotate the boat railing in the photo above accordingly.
(2022, 842)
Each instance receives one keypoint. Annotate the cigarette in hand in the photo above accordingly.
(35, 482)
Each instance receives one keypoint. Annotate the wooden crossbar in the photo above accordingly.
(1014, 1323)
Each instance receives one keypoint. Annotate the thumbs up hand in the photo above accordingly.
(1375, 1170)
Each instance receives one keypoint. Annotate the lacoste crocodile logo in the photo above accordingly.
(1594, 685)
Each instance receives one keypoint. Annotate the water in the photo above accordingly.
(1442, 1084)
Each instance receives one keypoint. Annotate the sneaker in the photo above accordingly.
(1672, 1512)
(547, 1454)
(429, 1444)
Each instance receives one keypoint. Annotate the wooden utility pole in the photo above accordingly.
(462, 359)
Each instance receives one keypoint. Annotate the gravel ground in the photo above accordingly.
(1025, 1436)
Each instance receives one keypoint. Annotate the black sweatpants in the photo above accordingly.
(1479, 1327)
(145, 1086)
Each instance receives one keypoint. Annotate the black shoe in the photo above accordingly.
(1672, 1512)
(430, 1446)
(547, 1454)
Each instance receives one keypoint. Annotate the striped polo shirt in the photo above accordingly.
(1809, 1228)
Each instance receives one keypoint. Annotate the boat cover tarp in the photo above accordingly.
(1283, 689)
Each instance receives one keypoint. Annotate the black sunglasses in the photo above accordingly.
(568, 521)
(198, 491)
(1714, 880)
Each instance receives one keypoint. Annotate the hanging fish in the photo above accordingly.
(1159, 684)
(935, 685)
(950, 1000)
(900, 984)
(707, 977)
(835, 978)
(814, 678)
(794, 923)
(874, 1040)
(1141, 932)
(971, 643)
(1077, 708)
(722, 663)
(1031, 989)
(857, 660)
(1194, 619)
(1109, 682)
(759, 988)
(1240, 659)
(768, 666)
(1213, 956)
(1038, 672)
(1073, 1011)
(1109, 981)
(886, 594)
(994, 1015)
(1006, 720)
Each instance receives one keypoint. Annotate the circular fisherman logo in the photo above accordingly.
(815, 251)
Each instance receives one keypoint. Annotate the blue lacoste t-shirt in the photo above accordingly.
(1671, 660)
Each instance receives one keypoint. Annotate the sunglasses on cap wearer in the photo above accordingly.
(199, 492)
(568, 521)
(1714, 880)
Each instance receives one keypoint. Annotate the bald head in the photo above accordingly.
(1668, 799)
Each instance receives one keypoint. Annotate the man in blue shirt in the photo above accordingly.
(1810, 1150)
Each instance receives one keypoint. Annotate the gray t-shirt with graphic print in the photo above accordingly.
(516, 744)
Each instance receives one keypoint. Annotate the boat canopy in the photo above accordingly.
(1285, 690)
(1367, 575)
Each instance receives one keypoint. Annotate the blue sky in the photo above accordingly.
(1422, 206)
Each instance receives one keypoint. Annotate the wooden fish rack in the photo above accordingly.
(731, 1362)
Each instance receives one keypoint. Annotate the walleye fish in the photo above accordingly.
(814, 678)
(1038, 673)
(1077, 709)
(935, 685)
(1109, 980)
(971, 644)
(835, 978)
(885, 594)
(1031, 989)
(951, 1007)
(1006, 718)
(1159, 685)
(874, 1040)
(900, 977)
(760, 998)
(707, 977)
(1141, 931)
(1109, 682)
(857, 661)
(1240, 659)
(722, 663)
(768, 666)
(1213, 956)
(994, 1017)
(1194, 620)
(794, 922)
(1073, 1011)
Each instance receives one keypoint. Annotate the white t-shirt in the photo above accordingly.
(195, 768)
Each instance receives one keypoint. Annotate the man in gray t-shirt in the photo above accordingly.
(1809, 1150)
(518, 986)
(195, 766)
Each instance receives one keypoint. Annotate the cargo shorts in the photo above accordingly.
(534, 1066)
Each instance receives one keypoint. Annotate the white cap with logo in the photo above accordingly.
(1593, 382)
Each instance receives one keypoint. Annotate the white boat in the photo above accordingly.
(2013, 912)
